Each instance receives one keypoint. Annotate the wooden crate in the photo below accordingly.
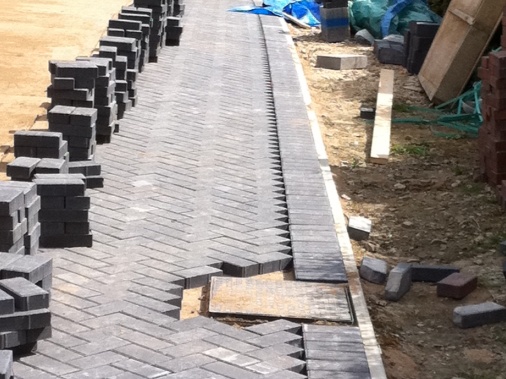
(464, 34)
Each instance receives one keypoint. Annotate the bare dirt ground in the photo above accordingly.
(33, 32)
(425, 206)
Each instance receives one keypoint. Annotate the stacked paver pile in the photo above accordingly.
(143, 15)
(492, 134)
(417, 42)
(20, 229)
(72, 83)
(335, 22)
(126, 63)
(25, 284)
(159, 15)
(132, 29)
(78, 128)
(173, 31)
(64, 215)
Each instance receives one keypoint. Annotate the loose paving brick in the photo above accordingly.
(457, 285)
(399, 282)
(468, 316)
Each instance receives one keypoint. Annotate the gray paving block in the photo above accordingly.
(11, 200)
(37, 139)
(373, 270)
(468, 316)
(66, 240)
(59, 187)
(198, 276)
(36, 319)
(6, 303)
(29, 189)
(22, 168)
(27, 295)
(341, 61)
(399, 282)
(11, 237)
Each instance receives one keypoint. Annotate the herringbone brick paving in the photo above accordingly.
(213, 172)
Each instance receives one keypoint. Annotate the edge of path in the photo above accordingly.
(372, 348)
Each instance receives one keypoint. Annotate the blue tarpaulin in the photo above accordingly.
(307, 11)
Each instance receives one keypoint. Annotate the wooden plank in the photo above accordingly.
(464, 34)
(380, 147)
(296, 21)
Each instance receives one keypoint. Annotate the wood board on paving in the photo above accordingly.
(464, 34)
(286, 299)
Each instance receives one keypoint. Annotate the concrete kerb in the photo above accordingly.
(372, 348)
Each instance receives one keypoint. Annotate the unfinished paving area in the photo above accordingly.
(214, 173)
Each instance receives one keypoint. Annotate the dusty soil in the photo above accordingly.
(34, 32)
(425, 206)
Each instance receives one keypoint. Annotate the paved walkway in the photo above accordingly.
(214, 172)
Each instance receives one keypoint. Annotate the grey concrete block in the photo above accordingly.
(66, 240)
(431, 273)
(19, 321)
(52, 166)
(59, 187)
(341, 61)
(6, 303)
(359, 228)
(399, 282)
(373, 270)
(27, 295)
(60, 114)
(29, 189)
(10, 237)
(11, 200)
(469, 316)
(31, 268)
(37, 139)
(6, 360)
(364, 37)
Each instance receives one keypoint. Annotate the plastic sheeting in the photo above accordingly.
(307, 11)
(384, 17)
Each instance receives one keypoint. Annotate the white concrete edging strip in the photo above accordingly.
(372, 348)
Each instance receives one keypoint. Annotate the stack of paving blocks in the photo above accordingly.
(13, 226)
(127, 69)
(173, 31)
(25, 285)
(77, 126)
(64, 215)
(159, 15)
(40, 144)
(25, 220)
(492, 134)
(72, 83)
(335, 22)
(132, 29)
(144, 15)
(417, 41)
(105, 100)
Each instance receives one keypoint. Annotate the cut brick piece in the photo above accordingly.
(431, 273)
(469, 316)
(27, 295)
(359, 228)
(399, 282)
(37, 139)
(457, 285)
(6, 358)
(373, 270)
(341, 61)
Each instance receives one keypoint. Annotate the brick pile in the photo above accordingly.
(417, 41)
(492, 134)
(136, 26)
(25, 285)
(173, 31)
(335, 22)
(64, 214)
(24, 219)
(40, 144)
(78, 128)
(159, 15)
(126, 63)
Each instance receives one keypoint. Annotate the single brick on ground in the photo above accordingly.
(469, 316)
(457, 285)
(373, 270)
(399, 282)
(431, 273)
(359, 228)
(341, 61)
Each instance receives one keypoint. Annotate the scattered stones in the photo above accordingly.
(457, 285)
(373, 270)
(431, 273)
(469, 316)
(359, 228)
(399, 282)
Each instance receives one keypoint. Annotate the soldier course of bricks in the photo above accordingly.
(174, 154)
